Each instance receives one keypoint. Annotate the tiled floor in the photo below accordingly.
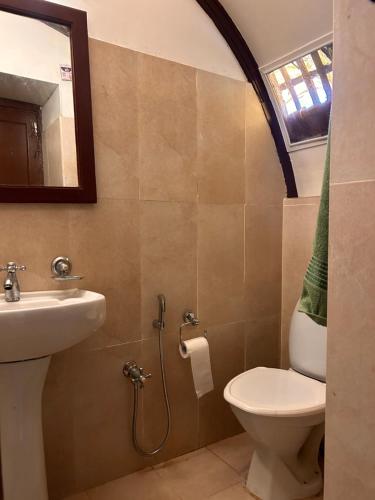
(217, 472)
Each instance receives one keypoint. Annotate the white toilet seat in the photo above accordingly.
(276, 392)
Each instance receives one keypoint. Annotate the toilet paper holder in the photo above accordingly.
(189, 319)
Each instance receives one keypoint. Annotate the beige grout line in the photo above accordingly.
(244, 246)
(302, 204)
(226, 463)
(245, 346)
(359, 181)
(228, 488)
(119, 344)
(182, 458)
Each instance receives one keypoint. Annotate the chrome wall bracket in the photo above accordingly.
(189, 319)
(159, 323)
(61, 268)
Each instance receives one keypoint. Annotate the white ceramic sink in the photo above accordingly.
(43, 323)
(31, 330)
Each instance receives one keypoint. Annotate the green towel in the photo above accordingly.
(314, 293)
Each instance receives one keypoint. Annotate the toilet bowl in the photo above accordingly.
(283, 413)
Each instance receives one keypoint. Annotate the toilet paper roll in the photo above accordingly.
(198, 352)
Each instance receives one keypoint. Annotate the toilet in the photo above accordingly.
(283, 413)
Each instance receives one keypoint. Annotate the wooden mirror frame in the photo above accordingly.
(76, 20)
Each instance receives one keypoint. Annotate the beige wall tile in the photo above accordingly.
(299, 223)
(115, 119)
(350, 411)
(263, 230)
(354, 102)
(105, 249)
(183, 401)
(87, 419)
(262, 339)
(102, 405)
(168, 261)
(221, 263)
(351, 321)
(168, 130)
(264, 177)
(226, 344)
(33, 235)
(221, 139)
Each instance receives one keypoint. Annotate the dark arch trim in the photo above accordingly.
(240, 49)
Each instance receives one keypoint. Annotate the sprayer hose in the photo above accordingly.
(138, 448)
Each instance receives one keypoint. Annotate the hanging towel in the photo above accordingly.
(314, 293)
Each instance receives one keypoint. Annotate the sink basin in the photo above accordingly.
(43, 323)
(31, 330)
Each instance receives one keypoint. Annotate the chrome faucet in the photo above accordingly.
(11, 285)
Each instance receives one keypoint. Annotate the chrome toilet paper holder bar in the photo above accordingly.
(189, 319)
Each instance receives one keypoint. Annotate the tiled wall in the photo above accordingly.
(299, 223)
(350, 418)
(190, 204)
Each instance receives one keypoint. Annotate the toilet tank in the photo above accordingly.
(307, 346)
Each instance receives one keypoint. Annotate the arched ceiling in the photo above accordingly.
(272, 28)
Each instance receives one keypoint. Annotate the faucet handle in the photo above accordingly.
(12, 267)
(144, 374)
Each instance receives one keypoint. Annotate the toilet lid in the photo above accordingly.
(270, 391)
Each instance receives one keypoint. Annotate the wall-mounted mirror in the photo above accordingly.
(46, 145)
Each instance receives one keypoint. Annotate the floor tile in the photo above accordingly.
(199, 477)
(236, 451)
(145, 485)
(213, 473)
(237, 492)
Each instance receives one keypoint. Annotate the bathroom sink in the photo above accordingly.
(31, 331)
(43, 323)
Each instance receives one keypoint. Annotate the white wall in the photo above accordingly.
(308, 167)
(23, 43)
(177, 30)
(273, 28)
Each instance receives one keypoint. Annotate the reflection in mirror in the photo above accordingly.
(37, 129)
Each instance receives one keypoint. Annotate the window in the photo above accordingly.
(302, 90)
